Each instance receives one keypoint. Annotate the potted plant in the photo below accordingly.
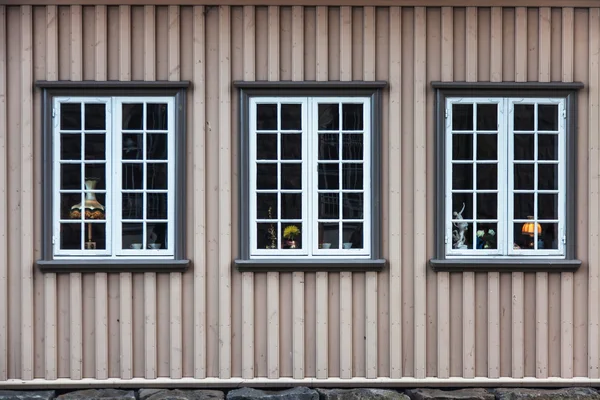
(290, 232)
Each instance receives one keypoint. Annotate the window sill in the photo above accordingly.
(310, 265)
(504, 265)
(113, 265)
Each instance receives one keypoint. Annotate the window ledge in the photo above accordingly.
(113, 265)
(310, 265)
(504, 265)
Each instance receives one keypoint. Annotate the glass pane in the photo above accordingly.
(523, 176)
(95, 147)
(266, 236)
(70, 176)
(70, 146)
(352, 117)
(548, 176)
(547, 147)
(329, 117)
(156, 233)
(97, 172)
(133, 206)
(547, 206)
(291, 146)
(549, 236)
(548, 117)
(487, 176)
(462, 206)
(486, 236)
(329, 205)
(266, 117)
(157, 178)
(329, 176)
(70, 116)
(352, 206)
(328, 146)
(352, 233)
(329, 235)
(291, 205)
(523, 147)
(352, 176)
(157, 206)
(291, 117)
(523, 205)
(133, 143)
(266, 206)
(133, 236)
(487, 206)
(462, 235)
(487, 147)
(266, 146)
(462, 146)
(132, 176)
(462, 176)
(70, 236)
(67, 201)
(292, 237)
(291, 176)
(352, 146)
(462, 117)
(266, 176)
(132, 116)
(95, 116)
(95, 236)
(156, 146)
(156, 117)
(524, 117)
(521, 240)
(487, 117)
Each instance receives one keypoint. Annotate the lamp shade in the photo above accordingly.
(529, 227)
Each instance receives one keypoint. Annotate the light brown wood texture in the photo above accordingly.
(215, 325)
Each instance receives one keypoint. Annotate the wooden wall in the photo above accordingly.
(214, 322)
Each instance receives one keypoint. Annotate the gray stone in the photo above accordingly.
(546, 394)
(297, 393)
(361, 394)
(24, 395)
(178, 394)
(98, 394)
(461, 394)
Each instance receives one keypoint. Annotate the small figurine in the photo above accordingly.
(458, 235)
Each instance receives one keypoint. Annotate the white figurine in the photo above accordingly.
(458, 234)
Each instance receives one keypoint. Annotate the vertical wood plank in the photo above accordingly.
(224, 193)
(149, 43)
(521, 44)
(124, 43)
(4, 206)
(322, 55)
(566, 281)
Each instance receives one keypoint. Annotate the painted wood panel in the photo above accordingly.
(404, 323)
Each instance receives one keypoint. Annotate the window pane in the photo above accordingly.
(156, 117)
(266, 236)
(487, 176)
(352, 235)
(328, 146)
(156, 146)
(462, 117)
(67, 201)
(523, 147)
(157, 206)
(487, 117)
(266, 117)
(95, 116)
(548, 176)
(548, 206)
(524, 117)
(521, 240)
(157, 178)
(291, 117)
(352, 117)
(266, 146)
(291, 176)
(133, 143)
(352, 176)
(352, 146)
(70, 116)
(291, 146)
(486, 236)
(70, 176)
(133, 206)
(291, 205)
(97, 172)
(329, 117)
(132, 176)
(462, 176)
(95, 147)
(329, 205)
(95, 236)
(487, 205)
(70, 146)
(462, 205)
(462, 235)
(523, 176)
(462, 146)
(487, 147)
(352, 206)
(548, 117)
(523, 205)
(266, 205)
(329, 235)
(156, 232)
(292, 236)
(132, 116)
(547, 147)
(266, 176)
(329, 176)
(133, 236)
(70, 236)
(549, 236)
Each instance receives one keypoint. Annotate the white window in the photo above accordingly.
(505, 177)
(113, 177)
(310, 177)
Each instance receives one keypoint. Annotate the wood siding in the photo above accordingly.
(215, 322)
